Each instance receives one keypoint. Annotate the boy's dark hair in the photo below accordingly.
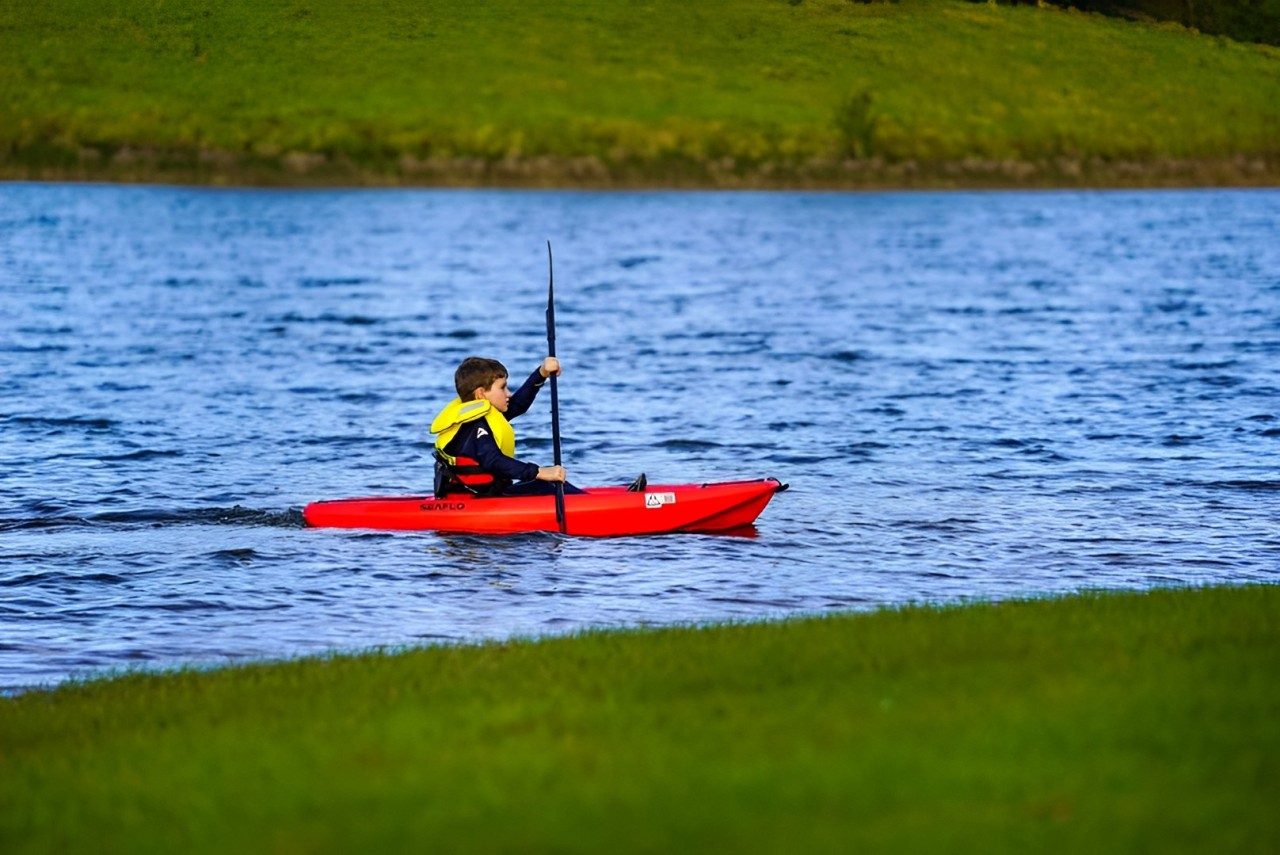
(476, 372)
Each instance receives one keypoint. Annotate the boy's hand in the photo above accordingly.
(551, 473)
(549, 366)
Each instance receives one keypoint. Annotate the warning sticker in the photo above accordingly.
(657, 500)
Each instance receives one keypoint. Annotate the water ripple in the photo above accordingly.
(973, 396)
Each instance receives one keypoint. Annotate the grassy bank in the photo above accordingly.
(1115, 722)
(663, 92)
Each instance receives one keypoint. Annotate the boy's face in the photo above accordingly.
(498, 394)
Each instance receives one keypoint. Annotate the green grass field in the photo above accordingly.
(732, 92)
(1105, 722)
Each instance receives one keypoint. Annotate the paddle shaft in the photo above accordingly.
(555, 396)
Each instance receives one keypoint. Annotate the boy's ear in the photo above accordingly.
(478, 393)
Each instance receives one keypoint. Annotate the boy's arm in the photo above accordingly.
(522, 398)
(493, 461)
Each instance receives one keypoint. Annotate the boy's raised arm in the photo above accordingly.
(522, 398)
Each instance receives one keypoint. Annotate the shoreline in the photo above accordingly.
(312, 170)
(107, 680)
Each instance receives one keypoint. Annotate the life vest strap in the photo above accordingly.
(462, 474)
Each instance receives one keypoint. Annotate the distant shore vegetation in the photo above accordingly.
(740, 93)
(1243, 20)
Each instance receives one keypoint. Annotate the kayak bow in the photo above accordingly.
(599, 512)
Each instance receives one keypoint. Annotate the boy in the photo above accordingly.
(475, 445)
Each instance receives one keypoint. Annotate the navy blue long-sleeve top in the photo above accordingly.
(475, 440)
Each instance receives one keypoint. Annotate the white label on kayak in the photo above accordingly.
(657, 500)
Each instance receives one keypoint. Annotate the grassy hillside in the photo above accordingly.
(1102, 723)
(626, 91)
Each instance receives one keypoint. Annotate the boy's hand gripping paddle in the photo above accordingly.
(555, 401)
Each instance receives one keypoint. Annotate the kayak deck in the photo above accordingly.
(598, 512)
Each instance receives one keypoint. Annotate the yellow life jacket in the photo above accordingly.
(450, 421)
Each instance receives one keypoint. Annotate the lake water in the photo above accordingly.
(972, 395)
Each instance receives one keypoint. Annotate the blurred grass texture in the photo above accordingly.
(1101, 722)
(617, 90)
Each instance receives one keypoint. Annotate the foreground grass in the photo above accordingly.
(1115, 722)
(617, 91)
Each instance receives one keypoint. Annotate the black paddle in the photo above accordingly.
(555, 400)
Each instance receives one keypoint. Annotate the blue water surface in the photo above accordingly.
(973, 395)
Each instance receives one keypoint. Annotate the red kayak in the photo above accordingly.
(599, 512)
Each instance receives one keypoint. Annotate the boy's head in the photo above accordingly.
(477, 373)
